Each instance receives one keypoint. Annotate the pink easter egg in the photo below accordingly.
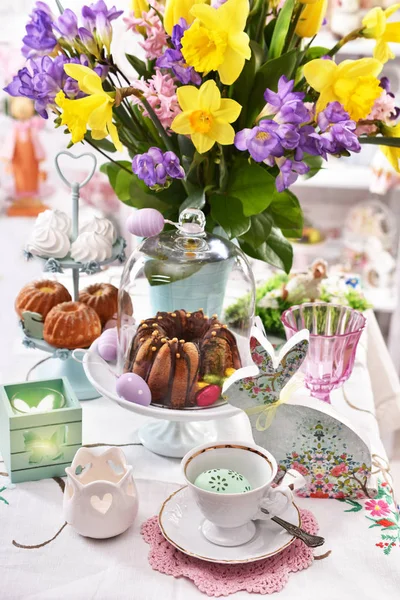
(133, 388)
(107, 345)
(145, 222)
(208, 395)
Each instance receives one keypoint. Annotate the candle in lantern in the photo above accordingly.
(30, 400)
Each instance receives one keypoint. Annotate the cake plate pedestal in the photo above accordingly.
(173, 432)
(61, 362)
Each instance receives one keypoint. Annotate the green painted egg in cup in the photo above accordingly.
(223, 481)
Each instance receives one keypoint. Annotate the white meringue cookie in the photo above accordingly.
(48, 242)
(101, 226)
(56, 219)
(89, 246)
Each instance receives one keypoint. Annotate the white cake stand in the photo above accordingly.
(176, 431)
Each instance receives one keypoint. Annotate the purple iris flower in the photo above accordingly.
(143, 166)
(385, 84)
(337, 130)
(177, 33)
(333, 113)
(91, 14)
(284, 94)
(172, 166)
(261, 141)
(39, 39)
(173, 57)
(44, 77)
(67, 25)
(154, 167)
(289, 172)
(285, 104)
(308, 144)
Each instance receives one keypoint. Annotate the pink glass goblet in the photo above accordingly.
(334, 334)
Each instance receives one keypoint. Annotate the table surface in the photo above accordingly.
(79, 568)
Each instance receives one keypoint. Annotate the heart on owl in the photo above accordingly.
(262, 383)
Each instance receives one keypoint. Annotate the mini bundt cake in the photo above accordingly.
(40, 297)
(177, 352)
(103, 298)
(71, 325)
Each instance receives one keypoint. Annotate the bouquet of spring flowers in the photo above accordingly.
(231, 103)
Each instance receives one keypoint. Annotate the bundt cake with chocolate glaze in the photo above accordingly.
(177, 352)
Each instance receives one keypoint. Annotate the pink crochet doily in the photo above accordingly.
(262, 577)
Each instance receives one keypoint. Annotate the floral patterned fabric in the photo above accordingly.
(382, 513)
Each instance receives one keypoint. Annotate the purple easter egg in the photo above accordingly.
(145, 222)
(133, 388)
(107, 345)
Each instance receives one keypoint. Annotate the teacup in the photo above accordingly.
(229, 518)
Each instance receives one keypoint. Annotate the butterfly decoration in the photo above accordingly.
(33, 324)
(49, 402)
(262, 384)
(45, 449)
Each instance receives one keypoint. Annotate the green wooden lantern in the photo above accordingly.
(40, 428)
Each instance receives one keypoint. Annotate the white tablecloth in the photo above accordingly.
(75, 568)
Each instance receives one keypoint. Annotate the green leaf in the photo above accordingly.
(104, 144)
(267, 77)
(139, 66)
(254, 187)
(281, 29)
(286, 212)
(269, 31)
(243, 85)
(227, 211)
(315, 164)
(196, 199)
(141, 197)
(315, 52)
(276, 251)
(122, 185)
(259, 231)
(112, 169)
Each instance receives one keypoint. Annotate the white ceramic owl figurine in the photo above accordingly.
(100, 497)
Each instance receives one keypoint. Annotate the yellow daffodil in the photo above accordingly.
(139, 7)
(93, 111)
(392, 153)
(377, 27)
(216, 40)
(206, 117)
(311, 17)
(353, 83)
(178, 9)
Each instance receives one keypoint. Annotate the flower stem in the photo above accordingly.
(107, 157)
(353, 35)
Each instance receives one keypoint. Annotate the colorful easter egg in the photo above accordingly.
(223, 481)
(145, 222)
(133, 388)
(107, 345)
(208, 395)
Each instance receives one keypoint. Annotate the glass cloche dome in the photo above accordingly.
(180, 284)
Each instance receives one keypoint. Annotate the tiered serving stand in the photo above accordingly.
(61, 363)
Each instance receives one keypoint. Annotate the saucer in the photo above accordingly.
(180, 522)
